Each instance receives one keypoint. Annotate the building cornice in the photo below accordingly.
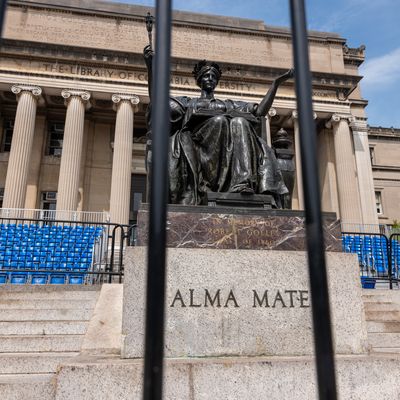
(385, 133)
(385, 168)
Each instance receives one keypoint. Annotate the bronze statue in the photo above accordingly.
(216, 145)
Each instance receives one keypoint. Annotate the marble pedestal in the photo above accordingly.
(238, 228)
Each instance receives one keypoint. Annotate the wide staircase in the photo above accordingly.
(382, 312)
(40, 327)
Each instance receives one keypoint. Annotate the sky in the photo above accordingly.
(374, 23)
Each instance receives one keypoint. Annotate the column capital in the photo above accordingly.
(336, 118)
(35, 91)
(118, 98)
(83, 95)
(295, 115)
(359, 125)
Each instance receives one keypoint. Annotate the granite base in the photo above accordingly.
(242, 303)
(260, 378)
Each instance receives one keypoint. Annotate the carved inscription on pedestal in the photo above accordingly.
(240, 231)
(228, 298)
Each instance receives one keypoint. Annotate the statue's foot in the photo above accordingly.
(247, 190)
(242, 188)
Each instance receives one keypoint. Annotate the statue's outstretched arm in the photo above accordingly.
(267, 101)
(148, 55)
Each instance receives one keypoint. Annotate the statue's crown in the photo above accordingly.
(204, 66)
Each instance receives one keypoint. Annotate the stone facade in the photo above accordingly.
(83, 56)
(384, 146)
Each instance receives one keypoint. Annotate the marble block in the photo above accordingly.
(238, 228)
(242, 303)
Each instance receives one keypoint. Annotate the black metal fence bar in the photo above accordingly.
(3, 4)
(154, 342)
(316, 258)
(394, 255)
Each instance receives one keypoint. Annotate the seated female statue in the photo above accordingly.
(216, 145)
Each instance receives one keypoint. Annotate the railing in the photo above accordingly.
(378, 256)
(82, 216)
(74, 251)
(365, 228)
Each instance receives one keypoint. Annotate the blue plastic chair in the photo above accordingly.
(19, 278)
(76, 280)
(57, 279)
(39, 279)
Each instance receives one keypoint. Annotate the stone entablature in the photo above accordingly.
(112, 67)
(195, 36)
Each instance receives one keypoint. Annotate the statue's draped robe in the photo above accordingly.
(215, 147)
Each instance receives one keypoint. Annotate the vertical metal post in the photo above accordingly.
(154, 340)
(315, 244)
(389, 256)
(3, 4)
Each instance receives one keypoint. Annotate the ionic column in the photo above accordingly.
(68, 181)
(364, 171)
(125, 106)
(346, 174)
(299, 176)
(298, 187)
(21, 145)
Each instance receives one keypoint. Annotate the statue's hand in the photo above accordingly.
(287, 75)
(148, 54)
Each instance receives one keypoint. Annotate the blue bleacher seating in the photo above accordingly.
(372, 251)
(56, 249)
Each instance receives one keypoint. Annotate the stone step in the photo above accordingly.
(389, 316)
(382, 307)
(46, 315)
(390, 350)
(27, 387)
(385, 340)
(40, 343)
(28, 363)
(377, 297)
(383, 327)
(33, 293)
(43, 328)
(50, 304)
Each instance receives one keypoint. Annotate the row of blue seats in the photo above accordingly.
(21, 278)
(49, 227)
(48, 265)
(372, 252)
